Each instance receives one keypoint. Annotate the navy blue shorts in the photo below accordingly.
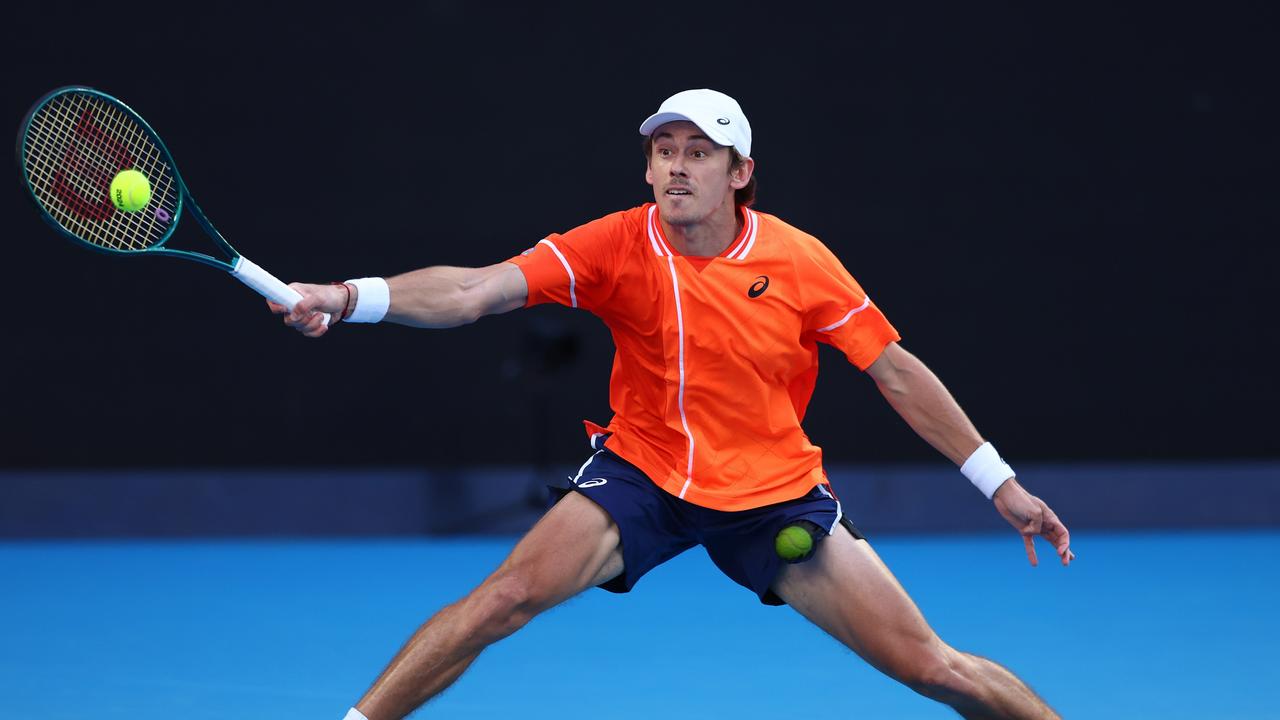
(656, 526)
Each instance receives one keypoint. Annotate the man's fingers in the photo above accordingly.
(303, 308)
(304, 323)
(304, 312)
(1034, 526)
(1056, 533)
(305, 316)
(1032, 517)
(314, 325)
(1064, 550)
(1058, 538)
(1065, 555)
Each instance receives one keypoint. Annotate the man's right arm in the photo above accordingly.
(434, 297)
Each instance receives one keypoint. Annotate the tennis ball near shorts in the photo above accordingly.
(130, 191)
(794, 543)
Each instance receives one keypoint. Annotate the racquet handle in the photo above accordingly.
(267, 285)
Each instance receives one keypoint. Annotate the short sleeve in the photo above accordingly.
(577, 268)
(839, 312)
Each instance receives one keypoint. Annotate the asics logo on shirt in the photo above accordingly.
(593, 482)
(759, 286)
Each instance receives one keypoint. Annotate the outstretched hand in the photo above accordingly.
(307, 316)
(1030, 516)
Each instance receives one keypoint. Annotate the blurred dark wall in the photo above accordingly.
(1070, 214)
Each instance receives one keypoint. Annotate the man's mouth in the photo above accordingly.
(677, 191)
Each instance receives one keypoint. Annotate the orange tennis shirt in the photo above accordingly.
(716, 357)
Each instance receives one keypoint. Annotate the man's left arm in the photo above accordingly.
(924, 402)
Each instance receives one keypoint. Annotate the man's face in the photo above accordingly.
(690, 174)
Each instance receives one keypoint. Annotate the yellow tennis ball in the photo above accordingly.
(130, 191)
(793, 543)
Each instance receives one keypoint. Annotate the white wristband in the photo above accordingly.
(354, 714)
(986, 469)
(373, 297)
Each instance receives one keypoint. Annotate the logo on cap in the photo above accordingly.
(723, 121)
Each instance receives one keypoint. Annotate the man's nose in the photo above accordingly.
(677, 166)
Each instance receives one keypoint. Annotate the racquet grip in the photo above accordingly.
(266, 284)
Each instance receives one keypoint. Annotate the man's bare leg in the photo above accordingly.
(573, 547)
(847, 591)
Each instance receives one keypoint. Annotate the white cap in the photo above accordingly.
(715, 113)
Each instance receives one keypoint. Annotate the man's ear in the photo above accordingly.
(740, 175)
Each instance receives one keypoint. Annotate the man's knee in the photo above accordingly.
(506, 602)
(937, 672)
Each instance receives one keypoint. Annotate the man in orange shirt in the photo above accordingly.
(716, 311)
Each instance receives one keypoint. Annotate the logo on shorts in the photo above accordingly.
(759, 286)
(593, 482)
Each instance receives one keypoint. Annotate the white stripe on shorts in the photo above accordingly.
(582, 469)
(839, 513)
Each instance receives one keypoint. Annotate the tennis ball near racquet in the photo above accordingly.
(793, 543)
(130, 191)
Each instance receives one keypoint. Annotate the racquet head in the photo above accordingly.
(71, 144)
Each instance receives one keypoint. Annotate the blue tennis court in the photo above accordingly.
(1155, 625)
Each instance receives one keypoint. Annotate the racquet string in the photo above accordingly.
(73, 147)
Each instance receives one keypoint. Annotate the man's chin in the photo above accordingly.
(677, 216)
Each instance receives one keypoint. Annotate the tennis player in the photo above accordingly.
(716, 310)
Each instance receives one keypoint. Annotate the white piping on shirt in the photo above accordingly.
(655, 237)
(573, 296)
(684, 419)
(866, 302)
(748, 238)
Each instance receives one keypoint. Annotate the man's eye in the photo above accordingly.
(699, 154)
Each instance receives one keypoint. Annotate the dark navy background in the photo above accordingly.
(1069, 213)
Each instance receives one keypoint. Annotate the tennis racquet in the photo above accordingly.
(70, 146)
